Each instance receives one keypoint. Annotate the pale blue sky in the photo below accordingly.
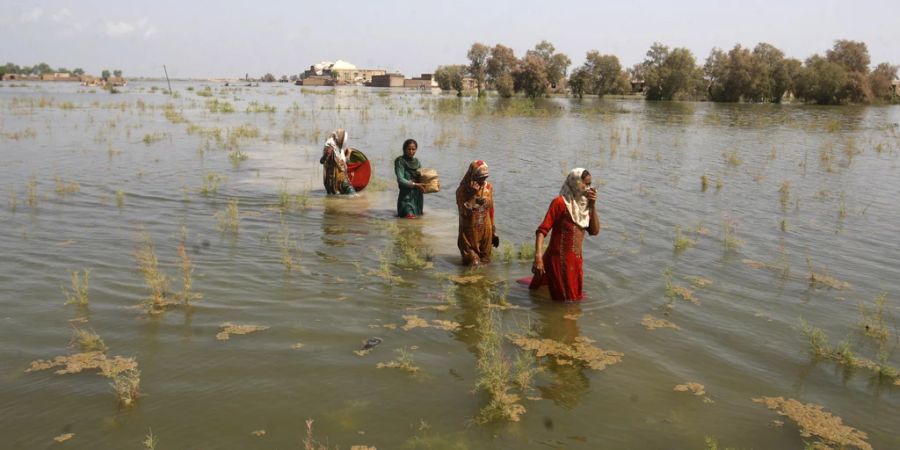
(228, 38)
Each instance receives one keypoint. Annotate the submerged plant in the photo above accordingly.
(526, 252)
(126, 385)
(187, 281)
(79, 293)
(403, 362)
(682, 242)
(120, 199)
(211, 182)
(873, 320)
(31, 192)
(229, 221)
(288, 246)
(814, 421)
(729, 235)
(150, 440)
(496, 376)
(157, 282)
(87, 341)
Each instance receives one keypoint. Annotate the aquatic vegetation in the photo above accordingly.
(873, 320)
(237, 157)
(150, 441)
(80, 362)
(64, 437)
(729, 235)
(256, 107)
(843, 354)
(507, 254)
(696, 389)
(652, 323)
(12, 200)
(732, 158)
(699, 282)
(229, 220)
(288, 247)
(704, 182)
(80, 286)
(682, 242)
(157, 282)
(126, 385)
(580, 352)
(465, 279)
(815, 422)
(496, 374)
(784, 193)
(211, 182)
(205, 92)
(87, 341)
(172, 115)
(120, 199)
(151, 138)
(31, 192)
(674, 291)
(228, 329)
(821, 278)
(187, 281)
(413, 321)
(526, 252)
(403, 362)
(713, 444)
(217, 106)
(64, 187)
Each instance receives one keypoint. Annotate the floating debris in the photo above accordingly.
(755, 264)
(685, 294)
(79, 362)
(651, 323)
(390, 326)
(448, 325)
(699, 282)
(413, 321)
(258, 433)
(470, 279)
(434, 308)
(814, 421)
(229, 328)
(580, 352)
(572, 316)
(64, 437)
(695, 388)
(371, 342)
(297, 346)
(826, 280)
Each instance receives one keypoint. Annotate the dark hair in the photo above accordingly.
(585, 174)
(409, 141)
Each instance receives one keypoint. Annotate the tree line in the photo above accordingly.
(757, 75)
(44, 68)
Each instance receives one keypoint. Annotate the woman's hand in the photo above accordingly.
(538, 267)
(419, 186)
(591, 195)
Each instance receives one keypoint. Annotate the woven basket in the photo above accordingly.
(429, 179)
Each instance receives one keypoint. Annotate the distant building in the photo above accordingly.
(469, 83)
(388, 80)
(425, 81)
(342, 72)
(317, 80)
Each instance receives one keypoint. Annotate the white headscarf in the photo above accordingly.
(572, 193)
(338, 142)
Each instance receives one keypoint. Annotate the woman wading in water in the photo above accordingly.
(334, 159)
(410, 200)
(475, 201)
(570, 215)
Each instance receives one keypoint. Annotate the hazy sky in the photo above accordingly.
(229, 38)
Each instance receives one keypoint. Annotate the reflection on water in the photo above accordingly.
(331, 272)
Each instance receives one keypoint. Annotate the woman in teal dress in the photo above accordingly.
(410, 201)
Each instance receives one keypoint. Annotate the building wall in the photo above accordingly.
(389, 80)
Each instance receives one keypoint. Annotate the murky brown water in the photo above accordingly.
(740, 339)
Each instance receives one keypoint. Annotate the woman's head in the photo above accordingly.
(586, 178)
(409, 148)
(478, 171)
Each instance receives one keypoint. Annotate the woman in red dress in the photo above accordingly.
(570, 215)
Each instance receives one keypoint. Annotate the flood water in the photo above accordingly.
(741, 339)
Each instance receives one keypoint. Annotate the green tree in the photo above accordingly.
(578, 81)
(267, 78)
(9, 68)
(880, 82)
(603, 72)
(78, 71)
(455, 75)
(118, 73)
(478, 56)
(779, 72)
(500, 67)
(821, 81)
(729, 75)
(531, 76)
(41, 69)
(104, 74)
(442, 77)
(853, 56)
(556, 64)
(672, 74)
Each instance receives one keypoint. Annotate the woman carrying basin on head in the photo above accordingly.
(410, 200)
(334, 160)
(570, 215)
(475, 202)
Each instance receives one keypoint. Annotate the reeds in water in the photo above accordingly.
(87, 341)
(229, 220)
(80, 285)
(157, 282)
